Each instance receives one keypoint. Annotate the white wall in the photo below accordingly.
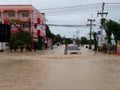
(4, 45)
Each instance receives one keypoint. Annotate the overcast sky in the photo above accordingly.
(74, 16)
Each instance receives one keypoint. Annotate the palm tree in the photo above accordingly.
(111, 27)
(115, 27)
(106, 25)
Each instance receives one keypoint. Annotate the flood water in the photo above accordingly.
(52, 70)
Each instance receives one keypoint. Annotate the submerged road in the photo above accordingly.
(52, 70)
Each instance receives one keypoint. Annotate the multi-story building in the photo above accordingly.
(32, 19)
(25, 13)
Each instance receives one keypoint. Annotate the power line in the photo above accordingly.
(72, 11)
(65, 25)
(114, 3)
(80, 9)
(87, 5)
(66, 13)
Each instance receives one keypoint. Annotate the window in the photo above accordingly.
(11, 14)
(25, 25)
(25, 14)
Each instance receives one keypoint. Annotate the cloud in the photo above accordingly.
(67, 17)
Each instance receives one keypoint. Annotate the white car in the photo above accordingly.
(72, 49)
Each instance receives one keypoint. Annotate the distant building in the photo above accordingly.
(29, 15)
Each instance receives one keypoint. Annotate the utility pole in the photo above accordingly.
(77, 32)
(102, 13)
(91, 24)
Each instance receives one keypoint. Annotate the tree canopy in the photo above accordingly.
(55, 38)
(111, 27)
(21, 38)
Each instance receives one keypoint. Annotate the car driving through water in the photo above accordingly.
(72, 49)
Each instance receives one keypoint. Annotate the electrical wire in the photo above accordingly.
(72, 10)
(54, 14)
(81, 9)
(80, 6)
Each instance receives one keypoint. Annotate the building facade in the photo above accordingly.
(25, 13)
(33, 20)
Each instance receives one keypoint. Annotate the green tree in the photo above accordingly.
(15, 21)
(59, 39)
(115, 27)
(111, 27)
(48, 32)
(84, 40)
(55, 38)
(68, 40)
(105, 24)
(20, 39)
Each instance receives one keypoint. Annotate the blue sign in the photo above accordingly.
(99, 32)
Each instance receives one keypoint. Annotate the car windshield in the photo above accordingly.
(72, 48)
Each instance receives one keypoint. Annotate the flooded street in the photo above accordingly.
(52, 70)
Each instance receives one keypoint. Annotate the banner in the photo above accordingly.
(38, 32)
(14, 28)
(38, 20)
(42, 30)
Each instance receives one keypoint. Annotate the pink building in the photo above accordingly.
(26, 14)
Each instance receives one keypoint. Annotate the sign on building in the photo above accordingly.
(14, 28)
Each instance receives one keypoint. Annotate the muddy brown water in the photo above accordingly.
(52, 70)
